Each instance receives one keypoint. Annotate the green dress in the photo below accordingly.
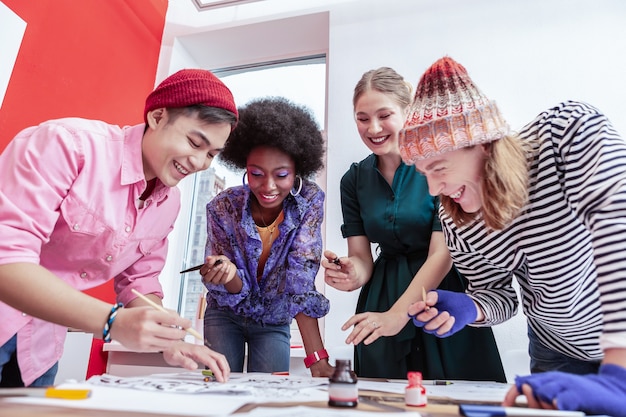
(400, 220)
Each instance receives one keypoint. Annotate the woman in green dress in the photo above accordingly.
(387, 203)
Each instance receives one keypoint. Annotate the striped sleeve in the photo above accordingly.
(593, 162)
(484, 261)
(567, 247)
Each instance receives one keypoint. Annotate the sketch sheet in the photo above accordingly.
(187, 394)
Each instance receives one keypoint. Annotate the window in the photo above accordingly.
(303, 81)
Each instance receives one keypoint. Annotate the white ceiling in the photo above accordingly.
(184, 17)
(203, 5)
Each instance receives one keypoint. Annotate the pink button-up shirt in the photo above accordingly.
(69, 193)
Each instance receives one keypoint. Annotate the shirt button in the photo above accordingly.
(127, 229)
(23, 314)
(109, 258)
(83, 275)
(76, 227)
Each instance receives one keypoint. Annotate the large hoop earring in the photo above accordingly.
(299, 187)
(243, 180)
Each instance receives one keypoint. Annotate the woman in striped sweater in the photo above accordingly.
(546, 206)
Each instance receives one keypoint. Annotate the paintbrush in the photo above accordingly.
(427, 307)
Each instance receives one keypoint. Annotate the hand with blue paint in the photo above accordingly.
(601, 393)
(443, 313)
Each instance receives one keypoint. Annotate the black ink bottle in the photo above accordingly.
(342, 390)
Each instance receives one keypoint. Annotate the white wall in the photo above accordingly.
(526, 55)
(75, 359)
(11, 34)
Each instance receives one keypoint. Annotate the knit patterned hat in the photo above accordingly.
(449, 112)
(190, 87)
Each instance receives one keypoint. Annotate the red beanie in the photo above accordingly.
(189, 87)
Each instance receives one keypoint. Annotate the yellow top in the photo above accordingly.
(268, 235)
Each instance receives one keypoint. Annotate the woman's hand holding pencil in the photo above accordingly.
(444, 312)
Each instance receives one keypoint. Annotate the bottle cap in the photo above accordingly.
(415, 378)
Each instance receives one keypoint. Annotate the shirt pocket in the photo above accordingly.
(81, 233)
(151, 236)
(80, 220)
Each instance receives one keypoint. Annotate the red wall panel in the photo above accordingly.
(89, 58)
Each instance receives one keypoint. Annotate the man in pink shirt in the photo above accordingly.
(83, 202)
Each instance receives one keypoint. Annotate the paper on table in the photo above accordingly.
(395, 387)
(303, 411)
(178, 394)
(120, 399)
(475, 392)
(253, 384)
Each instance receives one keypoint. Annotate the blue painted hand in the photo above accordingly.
(604, 393)
(458, 305)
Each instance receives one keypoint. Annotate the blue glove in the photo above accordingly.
(458, 304)
(604, 393)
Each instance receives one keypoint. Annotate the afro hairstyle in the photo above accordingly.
(279, 123)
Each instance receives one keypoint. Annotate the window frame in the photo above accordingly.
(192, 218)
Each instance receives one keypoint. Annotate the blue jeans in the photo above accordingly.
(268, 345)
(8, 355)
(544, 359)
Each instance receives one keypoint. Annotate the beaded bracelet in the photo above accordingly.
(106, 333)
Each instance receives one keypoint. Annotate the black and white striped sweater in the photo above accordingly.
(568, 247)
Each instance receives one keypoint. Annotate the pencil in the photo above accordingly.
(424, 298)
(189, 330)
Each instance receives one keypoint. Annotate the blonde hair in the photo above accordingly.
(504, 184)
(387, 81)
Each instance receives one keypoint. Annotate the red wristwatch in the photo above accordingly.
(315, 357)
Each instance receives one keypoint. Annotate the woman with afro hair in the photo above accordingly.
(264, 241)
